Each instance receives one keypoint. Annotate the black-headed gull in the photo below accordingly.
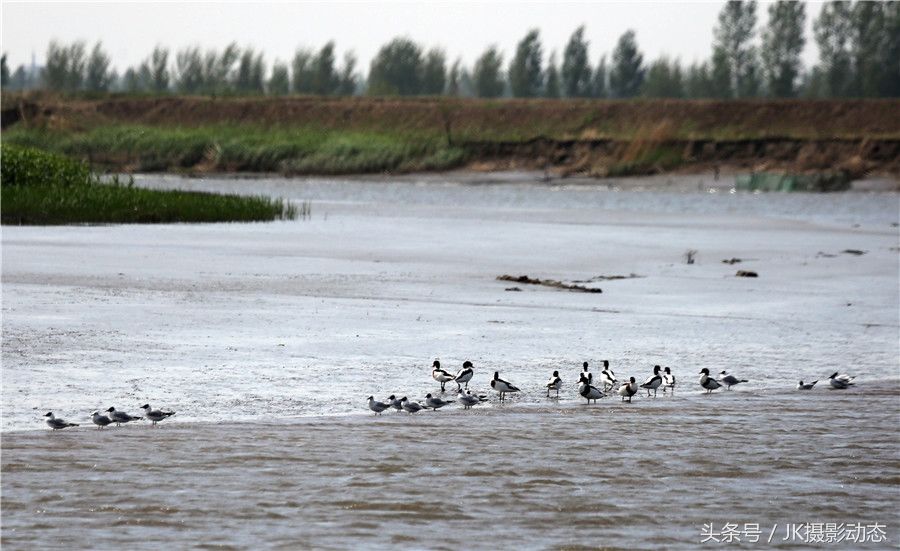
(119, 417)
(841, 382)
(100, 420)
(57, 424)
(806, 386)
(466, 399)
(155, 415)
(731, 380)
(377, 406)
(395, 402)
(410, 407)
(435, 403)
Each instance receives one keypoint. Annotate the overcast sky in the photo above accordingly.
(130, 30)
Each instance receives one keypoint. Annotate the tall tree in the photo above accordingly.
(599, 89)
(434, 73)
(627, 74)
(698, 83)
(98, 77)
(833, 29)
(218, 69)
(576, 72)
(397, 69)
(325, 80)
(157, 70)
(4, 72)
(131, 82)
(453, 79)
(467, 84)
(77, 66)
(249, 76)
(56, 66)
(525, 74)
(733, 38)
(347, 78)
(302, 71)
(782, 44)
(868, 46)
(188, 70)
(890, 83)
(720, 75)
(279, 81)
(488, 75)
(552, 86)
(664, 80)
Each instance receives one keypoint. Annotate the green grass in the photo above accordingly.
(40, 188)
(244, 148)
(652, 161)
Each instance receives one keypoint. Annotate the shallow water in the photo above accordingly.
(266, 338)
(646, 475)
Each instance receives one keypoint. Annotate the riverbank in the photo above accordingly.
(303, 135)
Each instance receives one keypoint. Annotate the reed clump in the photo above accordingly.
(41, 188)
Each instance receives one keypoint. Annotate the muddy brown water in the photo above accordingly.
(645, 475)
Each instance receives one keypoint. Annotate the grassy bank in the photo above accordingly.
(305, 135)
(243, 148)
(40, 188)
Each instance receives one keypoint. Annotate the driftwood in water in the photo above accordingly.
(549, 283)
(746, 273)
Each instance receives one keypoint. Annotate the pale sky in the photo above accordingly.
(130, 30)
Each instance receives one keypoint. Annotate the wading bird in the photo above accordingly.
(731, 380)
(439, 374)
(119, 417)
(376, 406)
(436, 403)
(410, 407)
(608, 377)
(588, 391)
(708, 382)
(629, 389)
(57, 424)
(841, 382)
(465, 375)
(155, 415)
(555, 383)
(100, 420)
(501, 386)
(668, 381)
(653, 382)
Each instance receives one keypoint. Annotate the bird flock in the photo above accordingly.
(110, 416)
(662, 378)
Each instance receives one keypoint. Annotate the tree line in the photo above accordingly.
(858, 42)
